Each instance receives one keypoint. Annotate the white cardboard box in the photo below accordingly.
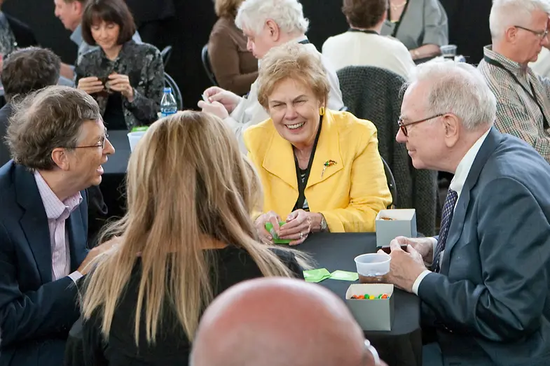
(371, 314)
(403, 224)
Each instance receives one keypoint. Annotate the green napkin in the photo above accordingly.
(344, 276)
(316, 275)
(140, 129)
(276, 240)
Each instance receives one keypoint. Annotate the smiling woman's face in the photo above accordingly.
(294, 110)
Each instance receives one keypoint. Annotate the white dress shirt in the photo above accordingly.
(457, 183)
(249, 111)
(358, 48)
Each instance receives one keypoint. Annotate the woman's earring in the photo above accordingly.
(322, 111)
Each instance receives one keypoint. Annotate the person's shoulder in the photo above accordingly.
(337, 39)
(349, 124)
(514, 159)
(7, 184)
(144, 48)
(257, 134)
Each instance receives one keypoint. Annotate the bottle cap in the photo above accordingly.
(167, 90)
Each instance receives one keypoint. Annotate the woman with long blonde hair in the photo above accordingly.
(186, 237)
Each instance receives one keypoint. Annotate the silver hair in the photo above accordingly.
(460, 89)
(507, 13)
(288, 14)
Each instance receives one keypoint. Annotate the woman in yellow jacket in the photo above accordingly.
(320, 169)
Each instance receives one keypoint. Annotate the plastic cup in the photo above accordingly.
(134, 137)
(372, 267)
(448, 51)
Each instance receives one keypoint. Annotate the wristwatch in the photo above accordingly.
(324, 226)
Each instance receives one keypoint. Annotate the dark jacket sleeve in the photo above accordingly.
(51, 309)
(92, 343)
(148, 93)
(514, 254)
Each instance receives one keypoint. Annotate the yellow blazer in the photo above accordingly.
(349, 194)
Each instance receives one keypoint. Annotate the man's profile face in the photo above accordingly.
(69, 13)
(259, 44)
(424, 140)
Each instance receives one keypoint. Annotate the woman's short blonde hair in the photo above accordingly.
(292, 61)
(227, 8)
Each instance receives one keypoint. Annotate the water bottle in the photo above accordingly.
(168, 104)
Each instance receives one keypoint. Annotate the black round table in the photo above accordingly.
(402, 346)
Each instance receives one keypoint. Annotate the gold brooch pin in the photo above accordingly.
(326, 165)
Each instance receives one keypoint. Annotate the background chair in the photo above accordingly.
(206, 64)
(374, 94)
(166, 53)
(391, 183)
(170, 83)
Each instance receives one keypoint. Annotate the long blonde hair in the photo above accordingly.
(187, 185)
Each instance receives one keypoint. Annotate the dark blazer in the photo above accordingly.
(35, 313)
(5, 113)
(24, 35)
(147, 10)
(491, 301)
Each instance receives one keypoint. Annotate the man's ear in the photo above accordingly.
(60, 157)
(511, 34)
(273, 30)
(452, 126)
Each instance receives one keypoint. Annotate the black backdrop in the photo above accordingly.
(468, 24)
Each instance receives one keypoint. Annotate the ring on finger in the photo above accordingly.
(301, 235)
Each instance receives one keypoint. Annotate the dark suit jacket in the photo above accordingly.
(493, 292)
(24, 35)
(5, 113)
(35, 313)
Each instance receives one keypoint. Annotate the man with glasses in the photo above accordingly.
(519, 30)
(486, 295)
(280, 321)
(58, 142)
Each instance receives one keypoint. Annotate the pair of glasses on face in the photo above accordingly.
(100, 143)
(540, 34)
(404, 125)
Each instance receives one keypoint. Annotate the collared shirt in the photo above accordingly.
(7, 38)
(457, 183)
(249, 111)
(57, 213)
(517, 112)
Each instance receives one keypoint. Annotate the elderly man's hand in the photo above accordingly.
(228, 99)
(424, 246)
(215, 108)
(405, 267)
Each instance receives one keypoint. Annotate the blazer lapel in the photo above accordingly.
(34, 221)
(327, 152)
(455, 231)
(279, 160)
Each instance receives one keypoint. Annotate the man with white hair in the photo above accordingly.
(519, 30)
(487, 295)
(266, 24)
(279, 322)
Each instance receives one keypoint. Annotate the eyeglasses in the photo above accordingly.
(100, 143)
(404, 125)
(369, 347)
(541, 34)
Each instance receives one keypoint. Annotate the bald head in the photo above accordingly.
(279, 321)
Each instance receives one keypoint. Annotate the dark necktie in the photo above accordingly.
(446, 218)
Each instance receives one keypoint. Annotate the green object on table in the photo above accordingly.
(316, 275)
(344, 276)
(276, 240)
(140, 129)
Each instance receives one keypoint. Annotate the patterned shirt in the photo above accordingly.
(7, 39)
(143, 65)
(517, 112)
(57, 212)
